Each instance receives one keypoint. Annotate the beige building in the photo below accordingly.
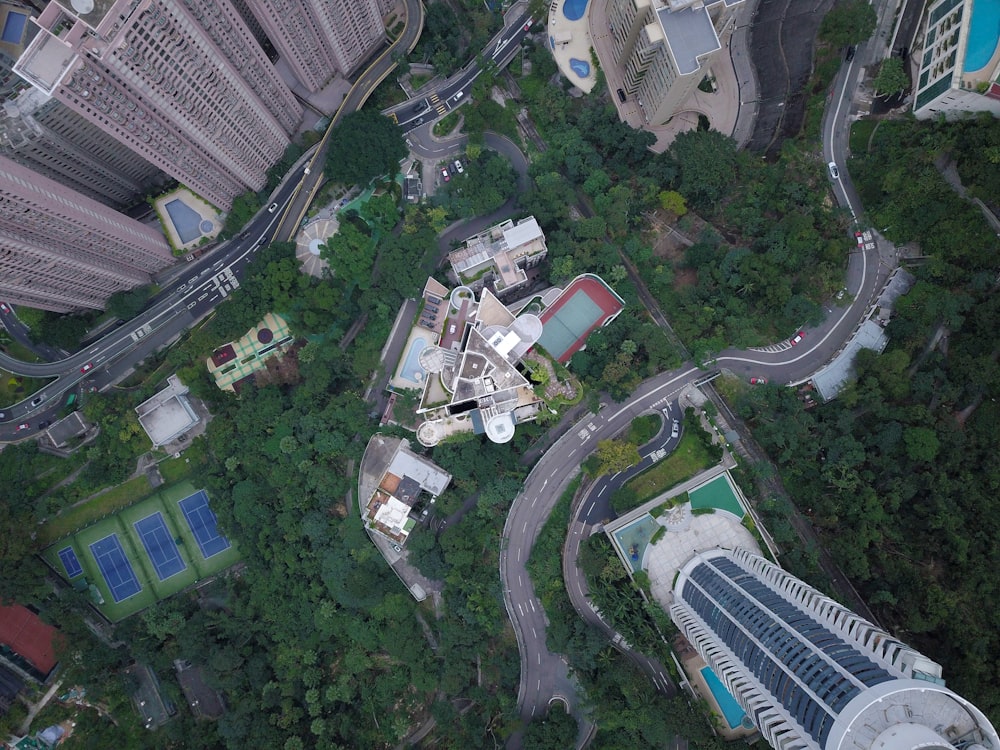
(499, 256)
(663, 48)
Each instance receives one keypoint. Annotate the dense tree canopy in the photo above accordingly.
(365, 145)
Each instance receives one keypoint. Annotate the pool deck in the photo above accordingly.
(205, 211)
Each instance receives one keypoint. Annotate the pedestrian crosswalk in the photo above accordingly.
(438, 105)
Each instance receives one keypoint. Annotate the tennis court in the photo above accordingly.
(115, 567)
(203, 524)
(586, 303)
(160, 546)
(70, 562)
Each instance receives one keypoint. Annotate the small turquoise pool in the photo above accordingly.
(730, 708)
(580, 67)
(574, 9)
(984, 34)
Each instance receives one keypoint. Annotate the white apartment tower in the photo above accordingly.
(63, 251)
(663, 48)
(809, 673)
(183, 83)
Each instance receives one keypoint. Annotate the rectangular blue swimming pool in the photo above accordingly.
(730, 708)
(13, 27)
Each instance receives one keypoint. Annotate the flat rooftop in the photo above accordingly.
(690, 35)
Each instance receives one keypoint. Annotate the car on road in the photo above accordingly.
(850, 53)
(272, 208)
(37, 400)
(758, 381)
(859, 238)
(421, 107)
(797, 338)
(834, 172)
(3, 415)
(458, 166)
(675, 429)
(621, 95)
(22, 426)
(418, 122)
(87, 367)
(527, 26)
(444, 174)
(458, 95)
(43, 425)
(4, 308)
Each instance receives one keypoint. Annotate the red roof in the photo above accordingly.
(25, 634)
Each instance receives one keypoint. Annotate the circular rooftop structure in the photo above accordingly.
(265, 335)
(309, 243)
(500, 428)
(432, 358)
(528, 328)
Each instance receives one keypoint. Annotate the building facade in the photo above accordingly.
(48, 137)
(663, 49)
(808, 672)
(63, 251)
(959, 56)
(183, 83)
(319, 40)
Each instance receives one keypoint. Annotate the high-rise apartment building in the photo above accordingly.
(959, 54)
(183, 83)
(48, 137)
(810, 673)
(63, 251)
(663, 49)
(319, 40)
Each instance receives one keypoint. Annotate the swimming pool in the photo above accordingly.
(185, 220)
(730, 708)
(13, 27)
(574, 9)
(580, 67)
(412, 370)
(984, 33)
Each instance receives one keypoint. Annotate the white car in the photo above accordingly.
(675, 429)
(458, 166)
(834, 172)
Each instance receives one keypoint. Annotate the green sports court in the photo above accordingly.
(145, 552)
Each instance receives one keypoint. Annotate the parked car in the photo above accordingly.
(445, 175)
(4, 308)
(22, 426)
(758, 381)
(621, 95)
(458, 166)
(834, 172)
(797, 338)
(87, 367)
(675, 429)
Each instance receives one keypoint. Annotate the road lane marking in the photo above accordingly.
(591, 507)
(602, 490)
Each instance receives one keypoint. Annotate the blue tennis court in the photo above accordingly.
(204, 524)
(70, 562)
(160, 546)
(115, 567)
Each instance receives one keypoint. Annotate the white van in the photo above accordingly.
(459, 95)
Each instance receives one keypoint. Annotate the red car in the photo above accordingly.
(21, 427)
(860, 239)
(758, 381)
(797, 338)
(87, 367)
(444, 173)
(527, 26)
(4, 308)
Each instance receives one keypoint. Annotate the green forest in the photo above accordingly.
(899, 473)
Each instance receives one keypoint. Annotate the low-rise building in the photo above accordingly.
(167, 414)
(499, 256)
(388, 508)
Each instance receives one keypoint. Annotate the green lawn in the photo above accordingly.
(446, 124)
(175, 469)
(14, 388)
(96, 508)
(643, 429)
(690, 457)
(861, 131)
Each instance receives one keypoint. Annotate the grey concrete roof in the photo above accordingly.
(690, 35)
(831, 378)
(431, 478)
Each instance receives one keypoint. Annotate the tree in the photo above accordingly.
(891, 77)
(672, 201)
(849, 23)
(615, 455)
(707, 162)
(365, 145)
(126, 305)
